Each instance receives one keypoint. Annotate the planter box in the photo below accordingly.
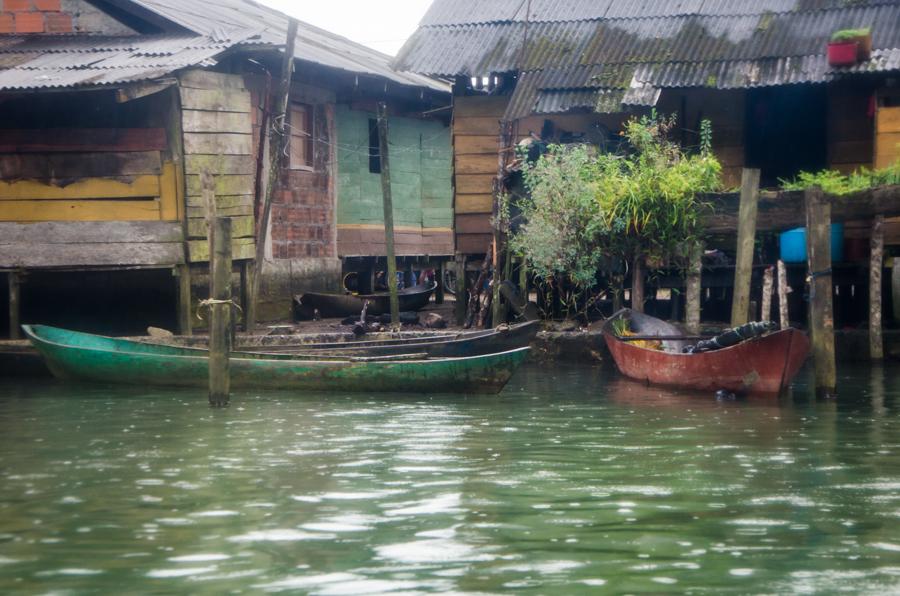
(843, 53)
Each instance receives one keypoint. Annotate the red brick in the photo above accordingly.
(29, 22)
(16, 5)
(7, 23)
(47, 5)
(58, 22)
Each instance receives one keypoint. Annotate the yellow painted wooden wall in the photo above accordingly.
(120, 186)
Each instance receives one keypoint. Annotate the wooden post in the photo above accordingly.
(14, 304)
(439, 290)
(461, 291)
(523, 278)
(783, 291)
(248, 305)
(220, 313)
(895, 287)
(183, 307)
(743, 267)
(637, 285)
(821, 309)
(277, 140)
(876, 263)
(692, 290)
(498, 225)
(765, 313)
(388, 207)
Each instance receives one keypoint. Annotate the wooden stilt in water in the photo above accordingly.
(821, 309)
(461, 291)
(183, 308)
(439, 290)
(15, 295)
(895, 287)
(765, 313)
(783, 290)
(693, 283)
(876, 263)
(220, 313)
(388, 207)
(248, 305)
(743, 268)
(637, 285)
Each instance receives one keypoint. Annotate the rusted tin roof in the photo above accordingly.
(313, 44)
(637, 47)
(46, 62)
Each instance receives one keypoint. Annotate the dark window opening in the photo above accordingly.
(374, 148)
(786, 131)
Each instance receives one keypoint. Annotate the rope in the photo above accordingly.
(213, 301)
(812, 277)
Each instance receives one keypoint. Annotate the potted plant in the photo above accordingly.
(840, 52)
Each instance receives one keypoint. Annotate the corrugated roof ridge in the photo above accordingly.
(696, 13)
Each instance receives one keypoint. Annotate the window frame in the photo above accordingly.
(309, 163)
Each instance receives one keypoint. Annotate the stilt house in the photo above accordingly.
(112, 110)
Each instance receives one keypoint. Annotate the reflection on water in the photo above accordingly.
(572, 479)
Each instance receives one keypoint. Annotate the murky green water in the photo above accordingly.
(571, 481)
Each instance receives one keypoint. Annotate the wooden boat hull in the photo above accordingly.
(87, 357)
(764, 365)
(348, 305)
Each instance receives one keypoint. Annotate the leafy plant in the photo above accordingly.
(850, 34)
(588, 211)
(834, 183)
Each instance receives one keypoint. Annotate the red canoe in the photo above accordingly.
(765, 364)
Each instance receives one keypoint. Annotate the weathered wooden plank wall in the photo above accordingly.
(216, 120)
(475, 144)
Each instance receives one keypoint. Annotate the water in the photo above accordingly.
(573, 480)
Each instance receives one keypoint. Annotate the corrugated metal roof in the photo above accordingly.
(60, 61)
(313, 44)
(641, 46)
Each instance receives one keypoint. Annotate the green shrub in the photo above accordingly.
(834, 183)
(850, 34)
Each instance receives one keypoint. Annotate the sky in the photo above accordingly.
(383, 25)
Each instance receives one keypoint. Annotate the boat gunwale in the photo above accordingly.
(724, 350)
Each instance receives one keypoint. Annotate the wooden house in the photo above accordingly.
(567, 70)
(112, 110)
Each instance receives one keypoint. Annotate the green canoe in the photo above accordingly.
(84, 356)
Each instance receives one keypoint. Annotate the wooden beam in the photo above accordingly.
(783, 290)
(461, 291)
(765, 311)
(821, 309)
(277, 139)
(182, 275)
(14, 304)
(693, 290)
(785, 210)
(876, 264)
(388, 209)
(746, 241)
(47, 140)
(220, 313)
(91, 188)
(247, 304)
(637, 284)
(499, 244)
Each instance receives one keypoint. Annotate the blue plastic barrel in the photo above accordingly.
(793, 244)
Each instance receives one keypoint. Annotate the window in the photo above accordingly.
(374, 148)
(301, 137)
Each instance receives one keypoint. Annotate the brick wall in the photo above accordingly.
(303, 223)
(34, 16)
(55, 17)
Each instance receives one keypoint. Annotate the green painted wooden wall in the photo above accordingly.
(420, 159)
